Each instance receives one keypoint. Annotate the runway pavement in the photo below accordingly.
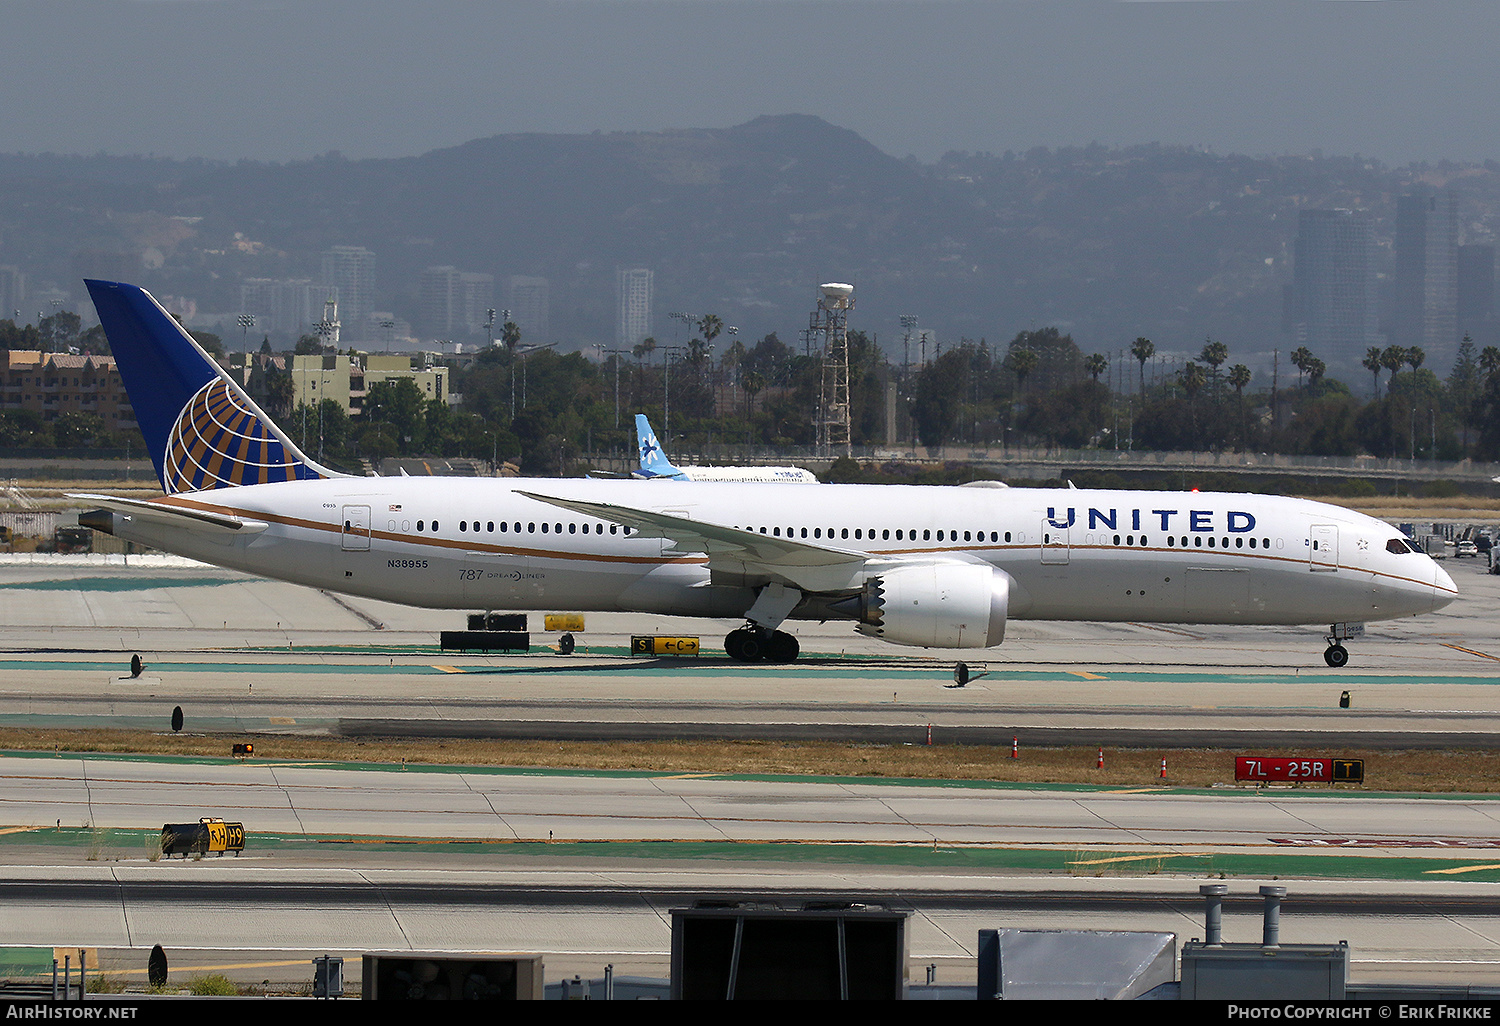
(584, 866)
(240, 654)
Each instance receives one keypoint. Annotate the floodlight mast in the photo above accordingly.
(831, 319)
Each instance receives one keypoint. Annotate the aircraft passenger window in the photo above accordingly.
(463, 525)
(940, 536)
(419, 525)
(1130, 539)
(1007, 536)
(926, 535)
(1239, 543)
(613, 528)
(391, 526)
(1171, 541)
(1198, 542)
(966, 536)
(817, 532)
(434, 525)
(1252, 543)
(503, 526)
(572, 528)
(490, 526)
(898, 534)
(804, 532)
(531, 528)
(857, 534)
(844, 533)
(1117, 539)
(1143, 539)
(886, 534)
(776, 531)
(559, 528)
(545, 528)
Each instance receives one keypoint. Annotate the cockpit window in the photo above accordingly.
(1398, 546)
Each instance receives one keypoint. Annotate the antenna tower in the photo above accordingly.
(830, 319)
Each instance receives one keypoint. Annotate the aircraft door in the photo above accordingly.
(356, 532)
(1323, 547)
(1056, 544)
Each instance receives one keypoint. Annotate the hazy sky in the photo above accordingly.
(1398, 80)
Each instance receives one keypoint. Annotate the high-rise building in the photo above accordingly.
(12, 293)
(1425, 311)
(351, 271)
(633, 288)
(1476, 293)
(455, 302)
(285, 306)
(1334, 310)
(529, 301)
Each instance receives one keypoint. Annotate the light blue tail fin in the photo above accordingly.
(654, 462)
(203, 431)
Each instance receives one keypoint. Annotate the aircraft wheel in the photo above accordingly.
(744, 645)
(1336, 656)
(782, 647)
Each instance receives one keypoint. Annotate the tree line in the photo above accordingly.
(548, 411)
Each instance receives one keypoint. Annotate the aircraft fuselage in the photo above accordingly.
(1104, 555)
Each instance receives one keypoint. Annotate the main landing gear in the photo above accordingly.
(751, 644)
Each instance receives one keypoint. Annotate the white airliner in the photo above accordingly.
(936, 567)
(656, 467)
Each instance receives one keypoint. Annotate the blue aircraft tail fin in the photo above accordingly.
(654, 462)
(203, 431)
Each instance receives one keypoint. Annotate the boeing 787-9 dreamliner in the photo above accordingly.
(935, 567)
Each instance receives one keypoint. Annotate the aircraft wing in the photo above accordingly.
(808, 566)
(179, 517)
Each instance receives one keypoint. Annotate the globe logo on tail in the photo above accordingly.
(219, 443)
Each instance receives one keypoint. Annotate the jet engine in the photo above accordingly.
(945, 605)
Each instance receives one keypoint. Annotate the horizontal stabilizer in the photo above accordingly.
(201, 521)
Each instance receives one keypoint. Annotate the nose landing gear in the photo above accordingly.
(1336, 654)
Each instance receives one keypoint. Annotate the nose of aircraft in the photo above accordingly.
(1444, 590)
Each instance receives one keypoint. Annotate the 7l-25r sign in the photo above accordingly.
(1267, 769)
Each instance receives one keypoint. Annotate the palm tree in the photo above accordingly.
(1214, 354)
(1143, 349)
(1414, 358)
(1239, 377)
(1302, 357)
(1096, 365)
(1374, 366)
(1489, 361)
(1193, 377)
(1392, 359)
(1021, 362)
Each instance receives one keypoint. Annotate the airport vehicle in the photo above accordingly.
(1465, 548)
(935, 567)
(655, 465)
